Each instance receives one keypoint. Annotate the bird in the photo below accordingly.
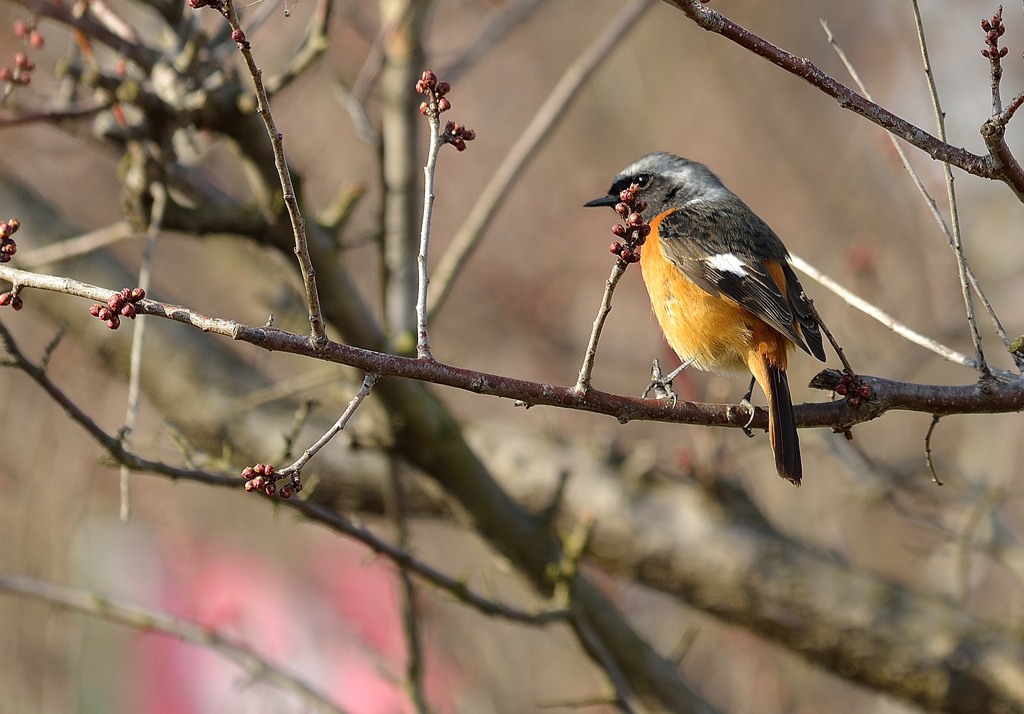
(721, 286)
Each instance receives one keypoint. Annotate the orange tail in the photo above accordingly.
(781, 424)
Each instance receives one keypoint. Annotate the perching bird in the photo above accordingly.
(721, 285)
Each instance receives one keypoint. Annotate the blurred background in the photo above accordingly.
(322, 606)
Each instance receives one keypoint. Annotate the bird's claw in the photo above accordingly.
(745, 402)
(660, 385)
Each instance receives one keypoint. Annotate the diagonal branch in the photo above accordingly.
(983, 166)
(257, 666)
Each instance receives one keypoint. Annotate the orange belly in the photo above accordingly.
(713, 331)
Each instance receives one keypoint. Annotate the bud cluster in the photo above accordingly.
(12, 298)
(457, 135)
(7, 245)
(21, 73)
(633, 230)
(120, 304)
(994, 29)
(853, 389)
(264, 477)
(215, 4)
(437, 103)
(435, 92)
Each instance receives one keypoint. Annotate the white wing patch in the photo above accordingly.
(727, 263)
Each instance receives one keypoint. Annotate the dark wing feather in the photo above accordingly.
(692, 234)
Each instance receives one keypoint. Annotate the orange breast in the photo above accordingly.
(713, 331)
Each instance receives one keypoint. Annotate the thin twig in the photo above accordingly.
(316, 320)
(548, 116)
(369, 380)
(156, 217)
(89, 603)
(933, 207)
(423, 279)
(876, 313)
(928, 450)
(954, 215)
(587, 370)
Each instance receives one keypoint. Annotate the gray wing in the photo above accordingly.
(727, 250)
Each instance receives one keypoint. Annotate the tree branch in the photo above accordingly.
(984, 166)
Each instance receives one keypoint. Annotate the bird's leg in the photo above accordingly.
(662, 384)
(750, 407)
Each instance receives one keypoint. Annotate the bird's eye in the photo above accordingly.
(642, 180)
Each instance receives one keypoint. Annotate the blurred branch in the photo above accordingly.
(158, 191)
(79, 245)
(503, 21)
(315, 512)
(403, 23)
(415, 667)
(86, 23)
(983, 166)
(313, 46)
(89, 603)
(727, 557)
(21, 118)
(548, 116)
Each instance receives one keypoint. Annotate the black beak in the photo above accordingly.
(608, 200)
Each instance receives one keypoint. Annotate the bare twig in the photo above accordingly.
(954, 214)
(89, 603)
(928, 450)
(587, 369)
(369, 380)
(423, 279)
(316, 320)
(550, 113)
(919, 184)
(876, 313)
